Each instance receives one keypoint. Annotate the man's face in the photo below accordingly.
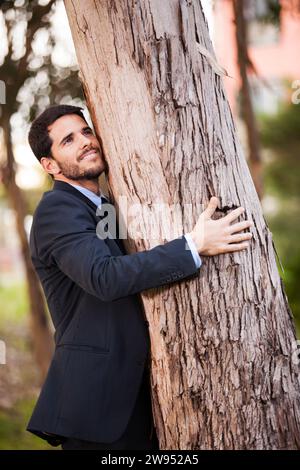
(75, 150)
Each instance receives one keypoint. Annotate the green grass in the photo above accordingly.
(13, 435)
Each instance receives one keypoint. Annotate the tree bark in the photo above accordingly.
(222, 343)
(40, 333)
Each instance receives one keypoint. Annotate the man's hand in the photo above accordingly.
(213, 237)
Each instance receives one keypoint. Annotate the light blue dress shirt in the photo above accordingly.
(97, 200)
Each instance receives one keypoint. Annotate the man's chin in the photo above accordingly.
(92, 173)
(87, 175)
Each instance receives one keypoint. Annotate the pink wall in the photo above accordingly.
(280, 60)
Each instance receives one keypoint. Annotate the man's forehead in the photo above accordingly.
(67, 123)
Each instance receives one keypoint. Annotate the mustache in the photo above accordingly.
(88, 150)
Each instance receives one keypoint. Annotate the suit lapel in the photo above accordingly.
(62, 186)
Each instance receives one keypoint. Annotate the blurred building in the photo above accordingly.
(273, 48)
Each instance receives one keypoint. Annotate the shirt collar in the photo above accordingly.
(89, 194)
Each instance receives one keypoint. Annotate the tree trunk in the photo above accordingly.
(41, 336)
(222, 370)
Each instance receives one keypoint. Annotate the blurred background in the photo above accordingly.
(257, 44)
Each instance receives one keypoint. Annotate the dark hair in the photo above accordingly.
(38, 137)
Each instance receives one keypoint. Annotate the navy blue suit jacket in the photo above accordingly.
(101, 335)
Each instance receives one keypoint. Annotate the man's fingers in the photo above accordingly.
(236, 247)
(212, 206)
(240, 237)
(240, 226)
(233, 214)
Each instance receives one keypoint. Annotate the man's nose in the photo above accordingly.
(84, 140)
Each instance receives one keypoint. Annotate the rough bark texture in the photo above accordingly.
(222, 370)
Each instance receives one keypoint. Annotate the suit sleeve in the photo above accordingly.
(65, 235)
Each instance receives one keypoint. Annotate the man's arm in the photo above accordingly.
(64, 234)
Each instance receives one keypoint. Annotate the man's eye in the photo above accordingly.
(88, 131)
(68, 139)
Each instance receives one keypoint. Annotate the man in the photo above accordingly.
(96, 394)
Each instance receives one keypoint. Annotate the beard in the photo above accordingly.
(74, 172)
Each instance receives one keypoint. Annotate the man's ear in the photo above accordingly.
(50, 165)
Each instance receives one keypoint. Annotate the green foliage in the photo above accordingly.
(281, 135)
(291, 280)
(266, 11)
(281, 131)
(286, 234)
(272, 14)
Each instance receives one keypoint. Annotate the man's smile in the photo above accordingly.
(90, 155)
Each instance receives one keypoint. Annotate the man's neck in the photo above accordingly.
(92, 185)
